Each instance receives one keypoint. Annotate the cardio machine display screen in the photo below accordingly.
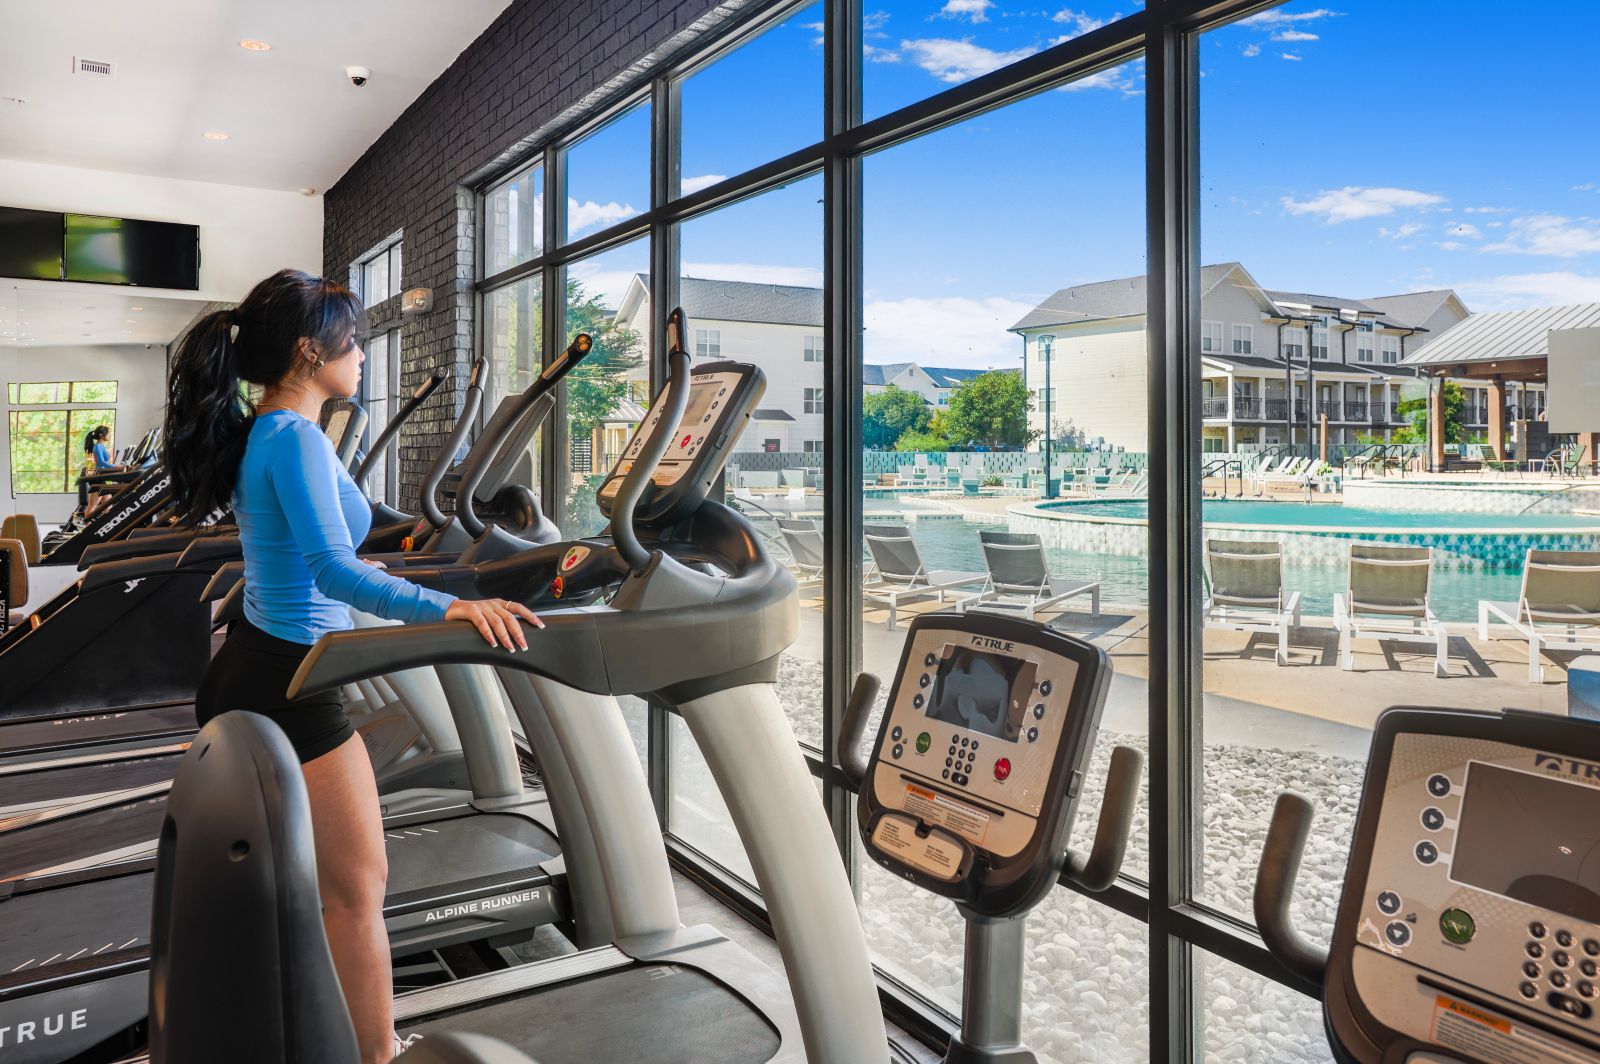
(973, 690)
(1530, 837)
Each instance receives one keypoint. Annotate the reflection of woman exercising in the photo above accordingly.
(96, 452)
(299, 516)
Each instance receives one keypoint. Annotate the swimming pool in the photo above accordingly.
(1316, 533)
(1333, 516)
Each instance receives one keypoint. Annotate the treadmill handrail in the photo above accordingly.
(463, 428)
(409, 407)
(650, 455)
(528, 406)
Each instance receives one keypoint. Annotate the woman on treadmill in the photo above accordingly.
(300, 516)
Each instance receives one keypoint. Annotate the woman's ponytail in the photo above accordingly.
(208, 414)
(208, 418)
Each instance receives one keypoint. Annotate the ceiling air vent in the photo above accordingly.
(97, 67)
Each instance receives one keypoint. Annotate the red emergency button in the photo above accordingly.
(1002, 768)
(686, 440)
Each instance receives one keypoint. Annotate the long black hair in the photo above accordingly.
(99, 432)
(208, 414)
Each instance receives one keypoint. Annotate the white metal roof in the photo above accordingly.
(1507, 335)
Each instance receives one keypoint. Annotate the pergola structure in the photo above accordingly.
(1500, 349)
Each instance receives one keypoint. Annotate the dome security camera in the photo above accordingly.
(358, 75)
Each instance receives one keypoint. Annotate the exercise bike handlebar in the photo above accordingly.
(639, 476)
(1098, 869)
(458, 436)
(418, 397)
(534, 404)
(1274, 890)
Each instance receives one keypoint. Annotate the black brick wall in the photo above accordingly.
(540, 64)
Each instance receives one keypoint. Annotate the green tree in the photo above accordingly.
(922, 441)
(1454, 399)
(890, 414)
(990, 410)
(600, 382)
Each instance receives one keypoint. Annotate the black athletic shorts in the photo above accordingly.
(252, 671)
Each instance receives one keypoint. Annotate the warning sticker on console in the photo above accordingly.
(959, 818)
(1489, 1036)
(938, 854)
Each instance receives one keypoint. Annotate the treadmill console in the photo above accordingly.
(972, 783)
(722, 396)
(1470, 921)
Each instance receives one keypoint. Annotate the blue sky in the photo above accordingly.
(1360, 149)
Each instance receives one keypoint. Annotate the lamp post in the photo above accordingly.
(1047, 347)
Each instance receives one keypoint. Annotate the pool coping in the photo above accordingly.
(1057, 511)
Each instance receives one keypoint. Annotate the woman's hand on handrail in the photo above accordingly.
(495, 620)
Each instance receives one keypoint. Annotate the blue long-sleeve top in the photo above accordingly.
(102, 457)
(300, 516)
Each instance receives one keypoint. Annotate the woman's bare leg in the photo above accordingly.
(352, 870)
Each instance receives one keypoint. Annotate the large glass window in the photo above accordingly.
(513, 221)
(606, 296)
(608, 174)
(769, 88)
(379, 275)
(47, 451)
(513, 337)
(380, 382)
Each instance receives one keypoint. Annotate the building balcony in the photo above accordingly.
(1214, 407)
(1275, 409)
(1330, 410)
(1246, 408)
(1355, 411)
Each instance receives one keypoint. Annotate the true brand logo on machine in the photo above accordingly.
(993, 644)
(133, 507)
(1566, 766)
(43, 1027)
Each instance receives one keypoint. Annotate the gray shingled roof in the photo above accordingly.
(776, 304)
(1121, 298)
(881, 374)
(1309, 300)
(949, 378)
(1505, 335)
(1410, 308)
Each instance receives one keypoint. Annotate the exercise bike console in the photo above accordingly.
(971, 787)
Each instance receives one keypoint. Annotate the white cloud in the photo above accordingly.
(1114, 78)
(1524, 290)
(582, 217)
(1292, 56)
(956, 61)
(755, 272)
(1550, 234)
(1252, 50)
(1587, 186)
(874, 20)
(700, 181)
(1081, 21)
(1295, 35)
(1451, 245)
(1486, 210)
(956, 331)
(971, 10)
(1282, 18)
(609, 285)
(1467, 230)
(874, 54)
(1352, 202)
(1401, 232)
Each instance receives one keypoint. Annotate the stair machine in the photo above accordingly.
(1468, 929)
(971, 787)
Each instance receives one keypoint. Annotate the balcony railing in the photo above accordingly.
(1246, 408)
(1328, 409)
(1476, 415)
(1275, 409)
(1355, 411)
(1214, 407)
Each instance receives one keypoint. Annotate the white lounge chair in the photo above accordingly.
(1558, 607)
(1020, 580)
(1246, 590)
(803, 540)
(1387, 597)
(898, 573)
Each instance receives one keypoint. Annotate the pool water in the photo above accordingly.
(1331, 515)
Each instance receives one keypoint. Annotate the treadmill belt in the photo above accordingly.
(175, 719)
(75, 922)
(655, 1014)
(70, 782)
(462, 852)
(30, 850)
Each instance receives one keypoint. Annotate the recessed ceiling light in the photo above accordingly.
(135, 308)
(131, 321)
(255, 46)
(213, 135)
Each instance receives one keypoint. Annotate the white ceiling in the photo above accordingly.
(294, 120)
(41, 314)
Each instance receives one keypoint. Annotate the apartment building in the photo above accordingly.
(1274, 363)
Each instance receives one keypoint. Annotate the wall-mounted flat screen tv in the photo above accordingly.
(30, 243)
(129, 251)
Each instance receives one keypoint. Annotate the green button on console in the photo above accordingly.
(1458, 926)
(923, 742)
